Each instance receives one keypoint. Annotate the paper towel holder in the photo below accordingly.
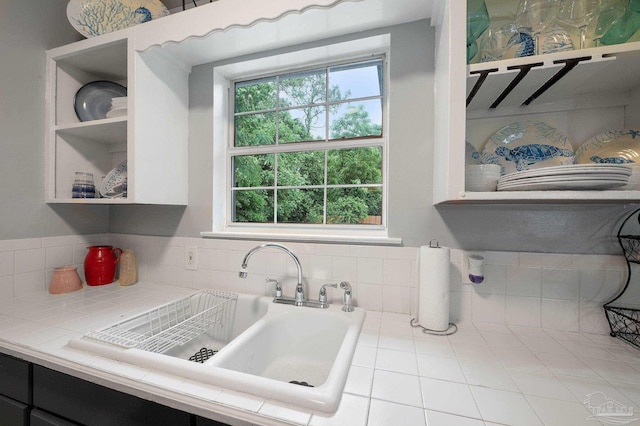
(452, 327)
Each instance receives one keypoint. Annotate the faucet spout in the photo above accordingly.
(299, 297)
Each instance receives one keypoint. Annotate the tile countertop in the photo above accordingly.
(485, 374)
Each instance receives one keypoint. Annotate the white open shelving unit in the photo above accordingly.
(581, 92)
(153, 61)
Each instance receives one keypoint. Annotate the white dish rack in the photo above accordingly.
(174, 324)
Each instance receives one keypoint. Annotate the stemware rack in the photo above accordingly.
(624, 322)
(174, 324)
(521, 81)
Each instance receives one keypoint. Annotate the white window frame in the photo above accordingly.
(224, 76)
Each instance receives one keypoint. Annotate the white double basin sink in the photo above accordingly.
(297, 355)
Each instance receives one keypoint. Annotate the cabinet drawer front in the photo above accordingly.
(13, 413)
(15, 376)
(90, 404)
(41, 418)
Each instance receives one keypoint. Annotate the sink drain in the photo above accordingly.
(202, 355)
(295, 382)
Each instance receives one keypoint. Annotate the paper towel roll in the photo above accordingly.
(433, 306)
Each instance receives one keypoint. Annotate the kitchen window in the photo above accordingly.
(306, 146)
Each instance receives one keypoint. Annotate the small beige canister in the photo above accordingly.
(128, 268)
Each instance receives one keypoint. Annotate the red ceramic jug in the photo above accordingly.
(100, 264)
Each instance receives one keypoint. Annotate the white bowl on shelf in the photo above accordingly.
(482, 177)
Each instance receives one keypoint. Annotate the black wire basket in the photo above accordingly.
(625, 322)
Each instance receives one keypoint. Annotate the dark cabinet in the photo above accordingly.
(41, 418)
(90, 404)
(15, 377)
(32, 395)
(13, 413)
(15, 391)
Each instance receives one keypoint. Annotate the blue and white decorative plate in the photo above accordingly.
(113, 186)
(95, 17)
(471, 155)
(527, 145)
(612, 147)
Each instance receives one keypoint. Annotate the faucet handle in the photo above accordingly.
(278, 286)
(347, 307)
(322, 297)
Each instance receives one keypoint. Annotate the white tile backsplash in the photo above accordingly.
(488, 307)
(561, 284)
(524, 311)
(59, 256)
(29, 260)
(6, 263)
(554, 291)
(561, 314)
(524, 281)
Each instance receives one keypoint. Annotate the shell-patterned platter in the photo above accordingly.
(95, 17)
(612, 147)
(526, 145)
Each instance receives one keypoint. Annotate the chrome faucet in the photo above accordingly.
(322, 297)
(299, 296)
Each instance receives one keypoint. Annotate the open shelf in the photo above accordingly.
(551, 197)
(109, 130)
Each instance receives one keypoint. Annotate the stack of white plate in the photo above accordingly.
(569, 177)
(634, 179)
(118, 107)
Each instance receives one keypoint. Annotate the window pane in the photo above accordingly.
(300, 206)
(253, 206)
(253, 170)
(356, 119)
(354, 206)
(303, 124)
(255, 95)
(355, 81)
(354, 166)
(301, 168)
(255, 129)
(303, 88)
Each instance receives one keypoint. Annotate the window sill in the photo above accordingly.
(308, 238)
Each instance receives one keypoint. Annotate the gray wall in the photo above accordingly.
(568, 228)
(27, 29)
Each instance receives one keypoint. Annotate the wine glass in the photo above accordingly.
(578, 14)
(477, 23)
(500, 36)
(610, 11)
(534, 16)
